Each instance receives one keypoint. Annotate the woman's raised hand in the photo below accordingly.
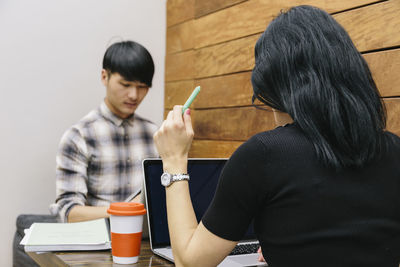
(174, 138)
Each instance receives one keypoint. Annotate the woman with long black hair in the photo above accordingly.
(323, 190)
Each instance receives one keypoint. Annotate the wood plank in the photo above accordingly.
(253, 16)
(166, 113)
(180, 37)
(225, 91)
(179, 66)
(385, 68)
(373, 27)
(213, 149)
(104, 258)
(393, 115)
(176, 93)
(47, 259)
(229, 57)
(234, 124)
(202, 7)
(179, 11)
(238, 55)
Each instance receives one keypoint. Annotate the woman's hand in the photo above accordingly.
(173, 140)
(260, 255)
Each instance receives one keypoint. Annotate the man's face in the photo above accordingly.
(122, 97)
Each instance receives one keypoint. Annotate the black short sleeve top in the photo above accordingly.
(305, 214)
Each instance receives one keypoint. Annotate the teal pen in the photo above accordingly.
(190, 99)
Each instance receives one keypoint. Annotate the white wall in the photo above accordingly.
(50, 62)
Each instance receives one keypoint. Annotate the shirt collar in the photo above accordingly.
(107, 113)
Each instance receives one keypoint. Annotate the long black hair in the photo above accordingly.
(307, 66)
(131, 60)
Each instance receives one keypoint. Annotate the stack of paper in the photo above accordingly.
(90, 235)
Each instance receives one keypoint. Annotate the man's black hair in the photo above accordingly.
(307, 65)
(131, 60)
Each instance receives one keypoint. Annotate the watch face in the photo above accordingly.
(165, 179)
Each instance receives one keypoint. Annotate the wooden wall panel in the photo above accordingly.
(230, 57)
(176, 93)
(202, 7)
(225, 91)
(385, 68)
(373, 27)
(179, 66)
(236, 124)
(253, 17)
(238, 55)
(211, 43)
(393, 115)
(213, 149)
(180, 37)
(179, 11)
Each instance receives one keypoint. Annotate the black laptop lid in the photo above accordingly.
(204, 175)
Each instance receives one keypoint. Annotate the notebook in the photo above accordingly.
(89, 235)
(204, 175)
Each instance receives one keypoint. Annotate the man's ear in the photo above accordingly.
(104, 77)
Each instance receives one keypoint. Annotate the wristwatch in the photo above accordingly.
(167, 179)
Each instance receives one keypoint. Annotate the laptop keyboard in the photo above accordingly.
(245, 249)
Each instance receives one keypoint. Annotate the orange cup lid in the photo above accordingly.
(126, 209)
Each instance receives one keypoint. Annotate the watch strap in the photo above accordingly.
(180, 177)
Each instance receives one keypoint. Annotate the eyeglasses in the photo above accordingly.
(258, 104)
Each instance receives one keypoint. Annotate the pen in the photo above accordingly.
(133, 195)
(190, 99)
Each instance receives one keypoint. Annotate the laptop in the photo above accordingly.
(204, 175)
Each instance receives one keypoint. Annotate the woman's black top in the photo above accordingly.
(305, 214)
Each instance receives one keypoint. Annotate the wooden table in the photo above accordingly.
(96, 258)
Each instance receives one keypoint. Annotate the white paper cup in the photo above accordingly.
(126, 222)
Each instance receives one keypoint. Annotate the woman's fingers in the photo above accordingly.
(170, 117)
(177, 114)
(188, 123)
(260, 255)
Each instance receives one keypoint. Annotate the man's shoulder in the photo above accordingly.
(80, 127)
(90, 118)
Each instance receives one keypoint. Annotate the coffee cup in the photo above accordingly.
(126, 221)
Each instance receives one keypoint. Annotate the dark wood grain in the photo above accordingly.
(176, 93)
(231, 90)
(385, 67)
(179, 11)
(47, 259)
(233, 124)
(393, 114)
(238, 56)
(179, 66)
(253, 16)
(213, 148)
(180, 37)
(225, 58)
(373, 27)
(96, 258)
(202, 7)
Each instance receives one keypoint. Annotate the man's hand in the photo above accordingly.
(136, 199)
(87, 213)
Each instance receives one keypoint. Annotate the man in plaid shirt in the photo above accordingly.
(99, 158)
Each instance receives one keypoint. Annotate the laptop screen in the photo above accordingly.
(204, 175)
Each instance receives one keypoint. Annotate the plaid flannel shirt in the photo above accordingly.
(99, 160)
